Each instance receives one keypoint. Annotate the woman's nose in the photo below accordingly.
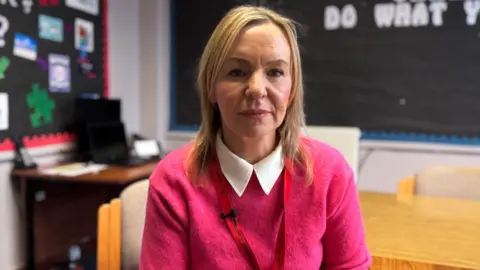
(257, 86)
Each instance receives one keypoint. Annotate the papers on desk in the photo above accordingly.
(75, 169)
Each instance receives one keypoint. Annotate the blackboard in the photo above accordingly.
(399, 70)
(54, 51)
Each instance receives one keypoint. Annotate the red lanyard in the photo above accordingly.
(229, 215)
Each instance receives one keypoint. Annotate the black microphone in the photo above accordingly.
(232, 214)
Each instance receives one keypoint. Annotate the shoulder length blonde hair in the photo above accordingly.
(214, 56)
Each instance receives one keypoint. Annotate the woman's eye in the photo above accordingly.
(275, 73)
(236, 73)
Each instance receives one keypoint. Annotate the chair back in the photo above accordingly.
(344, 139)
(134, 201)
(449, 181)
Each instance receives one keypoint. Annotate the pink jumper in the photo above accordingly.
(324, 226)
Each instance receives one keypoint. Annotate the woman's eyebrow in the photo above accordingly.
(270, 62)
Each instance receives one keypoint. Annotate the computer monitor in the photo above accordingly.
(97, 110)
(88, 110)
(107, 141)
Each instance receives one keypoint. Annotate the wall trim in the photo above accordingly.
(175, 139)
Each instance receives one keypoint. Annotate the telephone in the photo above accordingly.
(23, 159)
(147, 148)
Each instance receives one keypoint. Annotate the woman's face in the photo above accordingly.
(254, 84)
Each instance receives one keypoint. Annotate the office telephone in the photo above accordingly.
(23, 159)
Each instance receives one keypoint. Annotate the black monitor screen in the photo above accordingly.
(97, 110)
(107, 140)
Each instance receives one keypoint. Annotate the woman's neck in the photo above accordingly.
(251, 150)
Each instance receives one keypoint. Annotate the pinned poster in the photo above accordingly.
(25, 47)
(50, 28)
(84, 35)
(88, 6)
(58, 73)
(3, 111)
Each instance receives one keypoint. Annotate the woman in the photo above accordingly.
(250, 192)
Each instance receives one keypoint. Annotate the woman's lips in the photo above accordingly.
(254, 113)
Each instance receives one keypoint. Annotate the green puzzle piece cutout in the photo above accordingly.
(4, 63)
(42, 106)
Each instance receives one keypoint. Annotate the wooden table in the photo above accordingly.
(417, 232)
(68, 212)
(110, 175)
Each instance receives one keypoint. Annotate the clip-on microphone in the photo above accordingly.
(232, 214)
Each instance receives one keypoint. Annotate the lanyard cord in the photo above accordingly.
(229, 215)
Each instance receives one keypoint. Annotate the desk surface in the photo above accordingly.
(436, 231)
(111, 175)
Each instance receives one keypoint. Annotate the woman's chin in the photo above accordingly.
(255, 132)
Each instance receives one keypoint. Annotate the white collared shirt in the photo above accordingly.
(238, 171)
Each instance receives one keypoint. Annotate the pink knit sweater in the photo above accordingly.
(183, 229)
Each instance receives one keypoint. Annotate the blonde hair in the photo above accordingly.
(214, 56)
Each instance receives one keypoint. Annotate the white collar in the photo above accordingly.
(238, 171)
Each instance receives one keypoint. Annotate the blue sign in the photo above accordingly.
(25, 46)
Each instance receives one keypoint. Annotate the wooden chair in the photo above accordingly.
(118, 237)
(443, 181)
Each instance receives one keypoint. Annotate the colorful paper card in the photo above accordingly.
(84, 35)
(50, 28)
(59, 73)
(25, 47)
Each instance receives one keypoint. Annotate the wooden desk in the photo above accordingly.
(68, 213)
(111, 175)
(421, 232)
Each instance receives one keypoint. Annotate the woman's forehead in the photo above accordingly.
(265, 40)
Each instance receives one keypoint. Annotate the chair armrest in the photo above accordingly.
(103, 236)
(109, 235)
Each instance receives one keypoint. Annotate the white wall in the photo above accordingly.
(124, 53)
(11, 234)
(387, 162)
(155, 68)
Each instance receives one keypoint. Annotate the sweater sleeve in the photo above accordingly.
(165, 235)
(344, 238)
